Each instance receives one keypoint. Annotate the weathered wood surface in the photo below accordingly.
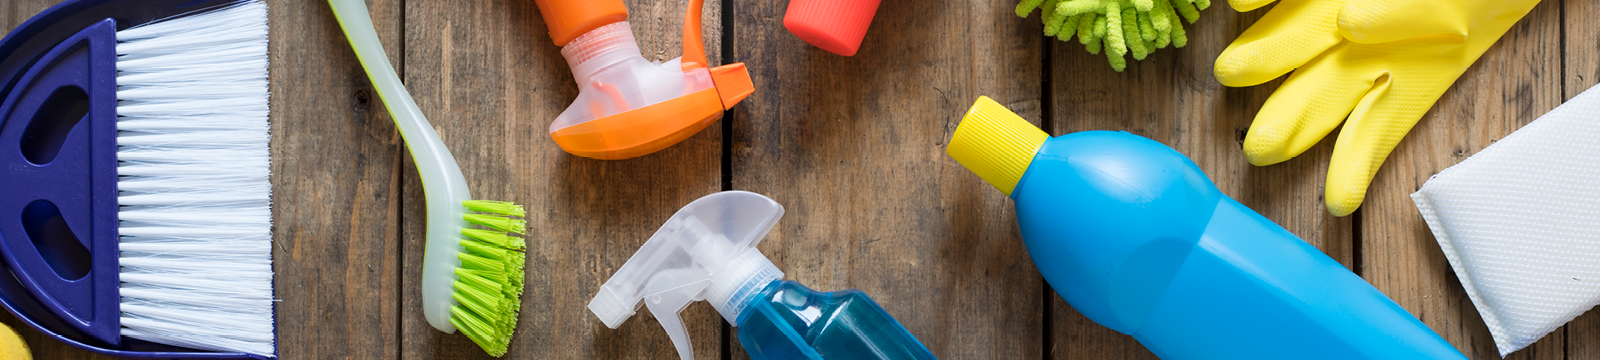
(853, 147)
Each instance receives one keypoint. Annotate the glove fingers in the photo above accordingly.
(1294, 32)
(1306, 108)
(1248, 5)
(1377, 21)
(1376, 125)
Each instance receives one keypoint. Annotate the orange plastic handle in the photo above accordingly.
(694, 50)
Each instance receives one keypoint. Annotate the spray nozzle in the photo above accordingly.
(628, 106)
(706, 251)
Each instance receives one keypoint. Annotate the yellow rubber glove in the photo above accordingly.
(1378, 63)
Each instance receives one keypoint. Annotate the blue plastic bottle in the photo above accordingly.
(708, 251)
(1131, 234)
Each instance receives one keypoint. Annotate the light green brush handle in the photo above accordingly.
(443, 186)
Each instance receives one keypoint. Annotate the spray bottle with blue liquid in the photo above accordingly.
(707, 251)
(1135, 237)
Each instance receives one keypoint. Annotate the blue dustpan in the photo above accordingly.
(67, 288)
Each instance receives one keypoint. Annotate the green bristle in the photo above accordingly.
(1026, 7)
(494, 207)
(474, 281)
(489, 282)
(498, 223)
(496, 238)
(1093, 46)
(485, 298)
(1143, 5)
(1202, 4)
(475, 262)
(478, 306)
(488, 336)
(485, 250)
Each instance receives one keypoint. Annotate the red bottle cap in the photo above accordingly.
(833, 25)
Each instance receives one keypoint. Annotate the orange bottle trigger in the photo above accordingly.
(694, 50)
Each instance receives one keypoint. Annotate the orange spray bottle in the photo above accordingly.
(628, 106)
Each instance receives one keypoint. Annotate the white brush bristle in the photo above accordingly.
(196, 217)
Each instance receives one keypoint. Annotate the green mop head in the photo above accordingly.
(1117, 26)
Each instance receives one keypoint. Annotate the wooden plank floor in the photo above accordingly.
(852, 147)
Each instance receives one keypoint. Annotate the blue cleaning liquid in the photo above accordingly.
(1135, 237)
(787, 320)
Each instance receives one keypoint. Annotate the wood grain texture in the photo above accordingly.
(490, 80)
(853, 147)
(1581, 59)
(1172, 97)
(336, 160)
(1510, 85)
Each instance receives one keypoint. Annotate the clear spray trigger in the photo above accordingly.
(679, 263)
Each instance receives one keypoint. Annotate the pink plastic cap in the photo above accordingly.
(833, 25)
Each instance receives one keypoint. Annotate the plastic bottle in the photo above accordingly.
(628, 106)
(1135, 237)
(707, 251)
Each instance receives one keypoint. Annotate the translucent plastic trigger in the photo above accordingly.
(675, 267)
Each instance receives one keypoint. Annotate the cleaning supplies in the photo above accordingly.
(1379, 63)
(1119, 26)
(707, 251)
(628, 106)
(472, 279)
(1518, 222)
(1135, 237)
(140, 158)
(833, 25)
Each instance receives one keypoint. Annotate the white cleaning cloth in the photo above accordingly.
(1520, 223)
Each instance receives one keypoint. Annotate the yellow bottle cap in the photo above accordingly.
(995, 143)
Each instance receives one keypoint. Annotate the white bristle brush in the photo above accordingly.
(194, 197)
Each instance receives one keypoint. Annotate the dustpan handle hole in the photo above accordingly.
(55, 241)
(48, 129)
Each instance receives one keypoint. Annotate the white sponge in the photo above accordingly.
(1520, 223)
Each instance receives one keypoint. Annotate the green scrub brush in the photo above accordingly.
(1118, 26)
(471, 278)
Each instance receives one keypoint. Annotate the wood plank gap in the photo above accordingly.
(727, 25)
(1046, 122)
(1046, 116)
(400, 215)
(1357, 264)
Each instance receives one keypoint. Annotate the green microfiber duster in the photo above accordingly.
(1120, 27)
